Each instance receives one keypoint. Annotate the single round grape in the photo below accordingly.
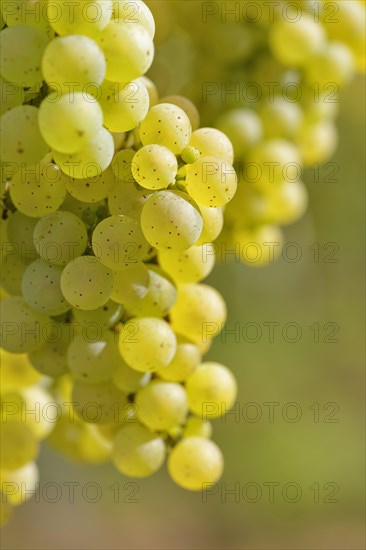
(196, 427)
(184, 363)
(189, 155)
(199, 312)
(147, 344)
(213, 221)
(74, 17)
(124, 105)
(195, 463)
(186, 105)
(128, 50)
(170, 220)
(242, 127)
(21, 49)
(22, 328)
(131, 285)
(26, 12)
(21, 484)
(70, 121)
(71, 62)
(287, 203)
(119, 243)
(332, 64)
(211, 390)
(138, 12)
(93, 362)
(93, 189)
(211, 181)
(19, 444)
(21, 139)
(154, 167)
(212, 143)
(125, 198)
(317, 142)
(191, 265)
(99, 403)
(166, 125)
(86, 283)
(259, 246)
(51, 358)
(137, 452)
(60, 237)
(13, 266)
(129, 380)
(281, 118)
(20, 232)
(42, 290)
(16, 371)
(102, 317)
(161, 405)
(90, 161)
(159, 299)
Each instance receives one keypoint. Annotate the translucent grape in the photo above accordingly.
(317, 141)
(128, 50)
(131, 285)
(127, 199)
(185, 361)
(22, 328)
(118, 242)
(60, 237)
(151, 89)
(147, 344)
(332, 64)
(129, 380)
(287, 203)
(243, 128)
(195, 463)
(21, 140)
(90, 161)
(159, 299)
(166, 125)
(191, 265)
(93, 189)
(19, 445)
(86, 283)
(101, 318)
(13, 266)
(259, 246)
(154, 167)
(212, 143)
(136, 12)
(93, 362)
(124, 105)
(197, 427)
(74, 17)
(280, 118)
(213, 221)
(71, 62)
(161, 405)
(187, 106)
(21, 484)
(70, 121)
(41, 288)
(26, 12)
(198, 313)
(51, 358)
(22, 48)
(171, 221)
(16, 371)
(99, 403)
(20, 232)
(137, 452)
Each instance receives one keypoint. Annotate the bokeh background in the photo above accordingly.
(293, 478)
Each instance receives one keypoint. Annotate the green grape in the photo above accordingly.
(11, 95)
(88, 212)
(196, 427)
(93, 361)
(191, 265)
(195, 463)
(13, 266)
(189, 155)
(243, 128)
(293, 44)
(137, 452)
(166, 125)
(92, 189)
(19, 445)
(41, 288)
(287, 203)
(170, 220)
(130, 285)
(199, 312)
(332, 64)
(134, 12)
(124, 105)
(60, 237)
(129, 380)
(70, 121)
(86, 283)
(317, 142)
(26, 12)
(212, 143)
(185, 361)
(51, 358)
(90, 161)
(93, 447)
(280, 118)
(38, 189)
(159, 299)
(162, 405)
(22, 48)
(211, 181)
(259, 246)
(147, 344)
(347, 24)
(154, 167)
(119, 243)
(187, 106)
(128, 50)
(16, 371)
(99, 403)
(74, 17)
(213, 221)
(103, 317)
(211, 390)
(21, 484)
(122, 165)
(72, 62)
(21, 140)
(22, 328)
(127, 199)
(20, 232)
(323, 108)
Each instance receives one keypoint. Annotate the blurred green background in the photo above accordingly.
(296, 477)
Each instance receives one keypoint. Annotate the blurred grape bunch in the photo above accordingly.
(269, 77)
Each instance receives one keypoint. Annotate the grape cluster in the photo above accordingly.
(112, 198)
(270, 76)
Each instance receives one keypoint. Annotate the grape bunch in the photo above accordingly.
(112, 198)
(272, 85)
